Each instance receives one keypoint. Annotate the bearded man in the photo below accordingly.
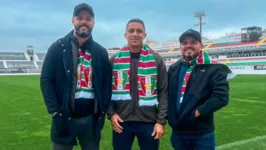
(198, 87)
(76, 83)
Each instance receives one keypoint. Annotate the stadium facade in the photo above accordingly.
(244, 52)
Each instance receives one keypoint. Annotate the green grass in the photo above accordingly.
(25, 124)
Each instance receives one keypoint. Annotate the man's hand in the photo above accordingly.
(158, 131)
(197, 113)
(53, 114)
(115, 119)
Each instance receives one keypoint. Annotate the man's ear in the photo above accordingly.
(145, 35)
(72, 21)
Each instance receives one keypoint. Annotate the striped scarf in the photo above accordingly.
(203, 58)
(147, 77)
(84, 76)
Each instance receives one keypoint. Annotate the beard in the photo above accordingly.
(81, 33)
(189, 57)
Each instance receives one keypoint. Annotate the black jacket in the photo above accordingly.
(56, 83)
(207, 91)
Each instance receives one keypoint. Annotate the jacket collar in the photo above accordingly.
(177, 65)
(87, 44)
(67, 52)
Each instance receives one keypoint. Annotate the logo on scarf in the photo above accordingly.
(147, 84)
(120, 78)
(85, 77)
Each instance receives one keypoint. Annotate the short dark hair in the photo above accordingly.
(136, 20)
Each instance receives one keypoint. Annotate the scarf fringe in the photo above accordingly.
(148, 103)
(117, 97)
(231, 76)
(83, 94)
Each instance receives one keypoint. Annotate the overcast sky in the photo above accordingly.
(39, 22)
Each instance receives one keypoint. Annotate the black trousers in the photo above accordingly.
(141, 130)
(85, 135)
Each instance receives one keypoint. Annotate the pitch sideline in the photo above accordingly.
(242, 142)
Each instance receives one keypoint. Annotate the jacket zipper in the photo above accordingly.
(134, 102)
(132, 90)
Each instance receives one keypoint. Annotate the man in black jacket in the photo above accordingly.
(76, 83)
(197, 88)
(139, 100)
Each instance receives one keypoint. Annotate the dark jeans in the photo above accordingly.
(193, 141)
(143, 131)
(85, 135)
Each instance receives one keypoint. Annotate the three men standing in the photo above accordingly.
(80, 85)
(139, 97)
(75, 74)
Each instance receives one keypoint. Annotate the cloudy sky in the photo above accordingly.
(39, 22)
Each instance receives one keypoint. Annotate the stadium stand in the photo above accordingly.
(39, 64)
(2, 65)
(41, 56)
(20, 64)
(12, 56)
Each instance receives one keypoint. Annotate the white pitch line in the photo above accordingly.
(238, 143)
(249, 100)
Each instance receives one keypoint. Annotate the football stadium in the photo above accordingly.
(239, 126)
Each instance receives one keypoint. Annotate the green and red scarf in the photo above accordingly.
(203, 58)
(147, 77)
(84, 76)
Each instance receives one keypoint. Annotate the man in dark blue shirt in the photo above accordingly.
(197, 88)
(181, 75)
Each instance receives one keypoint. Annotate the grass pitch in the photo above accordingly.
(25, 124)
